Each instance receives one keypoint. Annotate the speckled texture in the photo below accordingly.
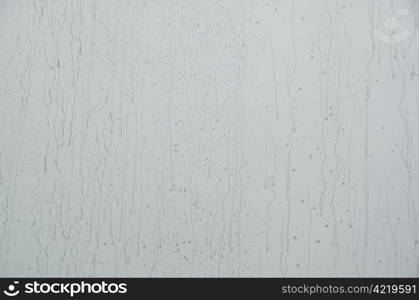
(209, 138)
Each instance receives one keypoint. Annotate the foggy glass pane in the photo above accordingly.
(209, 138)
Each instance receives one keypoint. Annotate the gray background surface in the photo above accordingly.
(209, 138)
